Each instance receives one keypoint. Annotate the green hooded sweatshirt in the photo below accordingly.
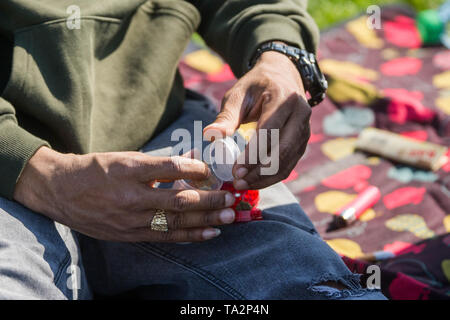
(109, 80)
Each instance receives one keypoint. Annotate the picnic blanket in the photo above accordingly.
(386, 79)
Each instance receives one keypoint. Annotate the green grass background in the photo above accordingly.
(329, 12)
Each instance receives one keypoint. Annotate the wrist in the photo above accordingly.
(312, 79)
(33, 187)
(281, 64)
(275, 57)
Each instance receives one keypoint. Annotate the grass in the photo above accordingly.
(329, 12)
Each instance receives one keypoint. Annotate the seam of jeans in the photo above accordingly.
(218, 283)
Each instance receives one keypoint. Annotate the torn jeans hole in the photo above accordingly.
(335, 287)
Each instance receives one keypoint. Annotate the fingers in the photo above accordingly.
(182, 235)
(258, 181)
(292, 145)
(183, 220)
(229, 119)
(186, 220)
(274, 116)
(171, 168)
(185, 200)
(182, 226)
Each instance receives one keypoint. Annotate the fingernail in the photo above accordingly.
(211, 126)
(229, 199)
(240, 173)
(227, 216)
(215, 132)
(241, 185)
(210, 233)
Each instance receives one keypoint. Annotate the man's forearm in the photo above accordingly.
(33, 187)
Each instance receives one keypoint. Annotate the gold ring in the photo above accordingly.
(159, 221)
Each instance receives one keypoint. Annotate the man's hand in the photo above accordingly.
(108, 195)
(272, 94)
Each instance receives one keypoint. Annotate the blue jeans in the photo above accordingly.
(280, 257)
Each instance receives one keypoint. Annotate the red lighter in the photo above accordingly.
(355, 208)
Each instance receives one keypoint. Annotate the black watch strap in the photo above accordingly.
(313, 79)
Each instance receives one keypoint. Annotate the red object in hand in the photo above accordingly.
(248, 215)
(245, 204)
(251, 197)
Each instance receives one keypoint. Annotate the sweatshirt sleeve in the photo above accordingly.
(17, 146)
(236, 28)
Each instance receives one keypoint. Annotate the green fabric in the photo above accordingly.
(113, 84)
(430, 26)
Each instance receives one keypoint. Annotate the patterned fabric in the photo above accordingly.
(386, 79)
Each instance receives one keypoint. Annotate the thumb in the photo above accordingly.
(227, 121)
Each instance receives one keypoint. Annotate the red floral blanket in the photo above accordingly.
(386, 79)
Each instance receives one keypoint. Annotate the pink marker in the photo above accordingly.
(352, 211)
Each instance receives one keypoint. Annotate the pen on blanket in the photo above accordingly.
(352, 211)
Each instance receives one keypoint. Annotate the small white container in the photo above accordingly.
(221, 157)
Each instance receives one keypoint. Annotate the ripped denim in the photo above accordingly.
(351, 284)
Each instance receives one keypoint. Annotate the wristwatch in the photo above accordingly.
(313, 79)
